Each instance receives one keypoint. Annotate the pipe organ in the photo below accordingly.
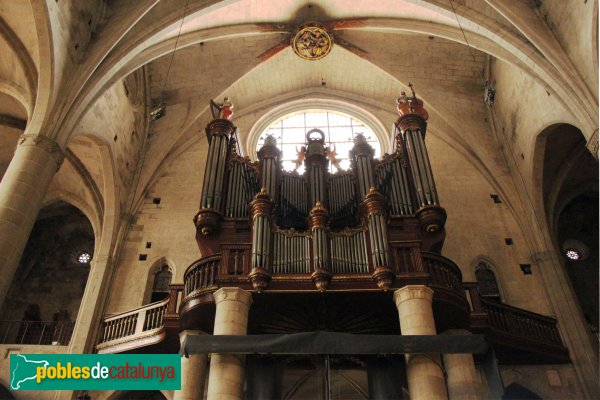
(319, 223)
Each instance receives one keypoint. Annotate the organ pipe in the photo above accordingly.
(219, 133)
(269, 156)
(318, 224)
(374, 204)
(412, 126)
(362, 162)
(261, 208)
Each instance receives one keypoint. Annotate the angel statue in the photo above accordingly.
(301, 154)
(222, 110)
(332, 159)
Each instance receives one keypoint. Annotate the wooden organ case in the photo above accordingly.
(375, 227)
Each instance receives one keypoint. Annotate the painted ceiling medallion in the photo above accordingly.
(312, 41)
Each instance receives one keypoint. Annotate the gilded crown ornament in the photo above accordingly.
(411, 105)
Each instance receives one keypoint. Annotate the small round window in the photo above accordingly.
(339, 129)
(84, 257)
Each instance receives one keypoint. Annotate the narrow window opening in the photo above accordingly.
(526, 268)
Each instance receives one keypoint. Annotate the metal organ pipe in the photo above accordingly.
(414, 166)
(220, 170)
(426, 162)
(261, 239)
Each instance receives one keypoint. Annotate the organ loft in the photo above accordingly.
(336, 277)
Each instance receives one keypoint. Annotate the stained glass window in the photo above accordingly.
(340, 130)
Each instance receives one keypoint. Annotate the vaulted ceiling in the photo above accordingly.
(66, 64)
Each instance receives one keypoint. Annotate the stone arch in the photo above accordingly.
(76, 201)
(313, 103)
(161, 264)
(562, 177)
(46, 292)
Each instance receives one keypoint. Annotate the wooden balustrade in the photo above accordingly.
(201, 274)
(512, 320)
(519, 322)
(131, 324)
(442, 271)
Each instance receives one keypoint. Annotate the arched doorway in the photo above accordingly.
(46, 291)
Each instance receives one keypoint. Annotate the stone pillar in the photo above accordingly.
(424, 373)
(461, 375)
(226, 378)
(22, 191)
(193, 369)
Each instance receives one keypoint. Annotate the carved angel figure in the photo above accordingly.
(222, 110)
(301, 155)
(331, 155)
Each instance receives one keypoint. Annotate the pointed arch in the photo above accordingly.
(487, 277)
(160, 275)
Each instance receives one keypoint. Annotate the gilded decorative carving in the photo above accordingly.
(318, 217)
(262, 204)
(432, 218)
(321, 279)
(413, 115)
(312, 41)
(207, 221)
(260, 278)
(383, 277)
(46, 144)
(374, 202)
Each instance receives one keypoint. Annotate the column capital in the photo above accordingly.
(411, 292)
(233, 294)
(44, 143)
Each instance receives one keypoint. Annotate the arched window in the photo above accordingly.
(339, 129)
(486, 282)
(160, 288)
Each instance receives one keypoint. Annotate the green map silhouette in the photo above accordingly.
(24, 370)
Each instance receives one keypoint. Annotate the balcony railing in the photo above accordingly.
(146, 323)
(442, 271)
(514, 321)
(203, 273)
(36, 332)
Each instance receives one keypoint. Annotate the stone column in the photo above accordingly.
(226, 378)
(22, 191)
(425, 376)
(461, 375)
(193, 369)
